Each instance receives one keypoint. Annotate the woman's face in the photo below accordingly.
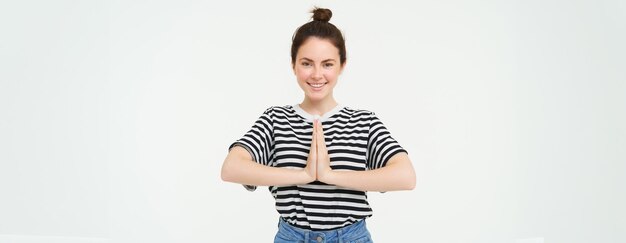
(317, 68)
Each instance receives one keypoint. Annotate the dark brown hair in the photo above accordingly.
(319, 27)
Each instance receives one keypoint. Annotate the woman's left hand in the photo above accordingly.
(323, 161)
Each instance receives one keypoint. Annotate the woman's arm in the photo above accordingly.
(397, 175)
(239, 168)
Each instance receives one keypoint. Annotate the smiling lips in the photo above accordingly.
(317, 86)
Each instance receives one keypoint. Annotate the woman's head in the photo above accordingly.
(318, 55)
(322, 29)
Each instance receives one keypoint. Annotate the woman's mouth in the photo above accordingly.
(317, 85)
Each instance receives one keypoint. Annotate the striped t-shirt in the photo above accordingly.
(355, 139)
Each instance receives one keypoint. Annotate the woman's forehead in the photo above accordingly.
(317, 49)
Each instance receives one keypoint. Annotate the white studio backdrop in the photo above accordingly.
(116, 116)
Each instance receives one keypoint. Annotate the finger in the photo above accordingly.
(320, 136)
(314, 138)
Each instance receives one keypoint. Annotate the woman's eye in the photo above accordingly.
(306, 64)
(328, 65)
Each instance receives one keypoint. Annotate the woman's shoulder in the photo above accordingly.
(279, 109)
(358, 112)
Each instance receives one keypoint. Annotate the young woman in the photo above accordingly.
(317, 157)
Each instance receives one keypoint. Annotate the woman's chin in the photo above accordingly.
(316, 97)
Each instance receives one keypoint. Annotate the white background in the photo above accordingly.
(116, 116)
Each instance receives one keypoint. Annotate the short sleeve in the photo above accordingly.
(259, 141)
(381, 146)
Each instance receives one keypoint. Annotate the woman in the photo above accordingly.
(317, 157)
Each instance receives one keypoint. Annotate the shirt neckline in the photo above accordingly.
(309, 117)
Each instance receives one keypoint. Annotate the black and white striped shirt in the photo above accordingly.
(356, 140)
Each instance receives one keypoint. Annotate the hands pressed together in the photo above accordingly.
(318, 163)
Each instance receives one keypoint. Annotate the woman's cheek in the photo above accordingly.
(301, 74)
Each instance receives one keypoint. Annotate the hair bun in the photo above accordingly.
(322, 14)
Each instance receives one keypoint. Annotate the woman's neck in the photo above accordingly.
(318, 107)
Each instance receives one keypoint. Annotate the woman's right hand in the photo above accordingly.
(311, 162)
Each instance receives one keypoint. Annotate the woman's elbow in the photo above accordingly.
(409, 180)
(405, 175)
(410, 184)
(405, 182)
(227, 172)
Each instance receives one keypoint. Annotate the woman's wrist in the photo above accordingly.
(306, 176)
(327, 176)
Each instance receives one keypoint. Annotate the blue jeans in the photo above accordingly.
(354, 233)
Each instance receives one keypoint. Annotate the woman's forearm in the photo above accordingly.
(239, 169)
(397, 175)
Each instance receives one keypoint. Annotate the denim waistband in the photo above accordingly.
(346, 233)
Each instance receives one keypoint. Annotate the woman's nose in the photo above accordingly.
(317, 73)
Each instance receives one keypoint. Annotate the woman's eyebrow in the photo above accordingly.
(309, 60)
